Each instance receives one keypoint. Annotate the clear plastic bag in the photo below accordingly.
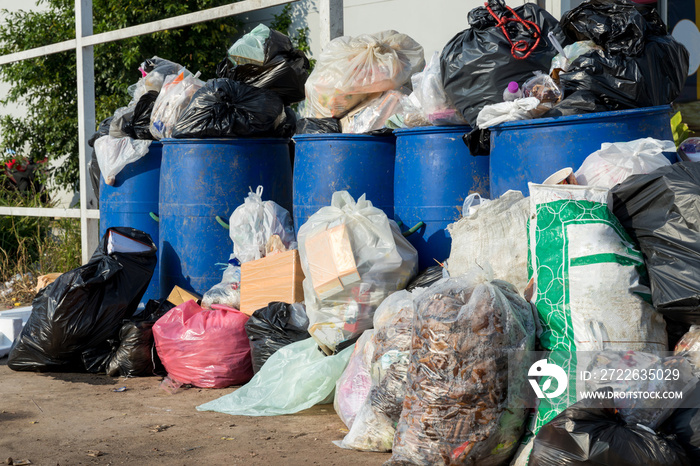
(571, 53)
(228, 292)
(254, 222)
(434, 104)
(173, 99)
(689, 346)
(352, 387)
(295, 378)
(374, 425)
(353, 257)
(617, 161)
(349, 69)
(542, 87)
(374, 115)
(113, 154)
(456, 409)
(154, 71)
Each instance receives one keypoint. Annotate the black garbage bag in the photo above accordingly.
(426, 278)
(619, 26)
(318, 126)
(626, 74)
(227, 108)
(141, 121)
(285, 75)
(577, 103)
(274, 327)
(684, 424)
(163, 66)
(591, 433)
(135, 355)
(478, 63)
(94, 167)
(660, 210)
(77, 315)
(284, 70)
(288, 127)
(478, 141)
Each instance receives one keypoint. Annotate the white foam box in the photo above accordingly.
(11, 324)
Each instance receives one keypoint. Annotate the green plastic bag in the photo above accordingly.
(295, 378)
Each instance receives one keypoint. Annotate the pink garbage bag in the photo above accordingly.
(204, 348)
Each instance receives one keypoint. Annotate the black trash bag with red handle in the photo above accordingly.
(479, 62)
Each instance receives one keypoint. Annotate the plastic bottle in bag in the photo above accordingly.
(512, 92)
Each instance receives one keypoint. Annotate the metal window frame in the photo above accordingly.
(331, 19)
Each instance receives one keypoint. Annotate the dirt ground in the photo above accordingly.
(63, 419)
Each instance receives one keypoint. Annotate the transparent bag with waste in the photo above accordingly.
(228, 291)
(457, 408)
(254, 222)
(353, 257)
(351, 68)
(173, 99)
(352, 387)
(373, 428)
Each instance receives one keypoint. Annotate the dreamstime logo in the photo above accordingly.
(542, 368)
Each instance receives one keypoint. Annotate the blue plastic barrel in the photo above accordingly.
(434, 173)
(202, 179)
(132, 200)
(326, 163)
(531, 150)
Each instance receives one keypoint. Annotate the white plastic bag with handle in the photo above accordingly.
(254, 222)
(616, 161)
(519, 109)
(113, 154)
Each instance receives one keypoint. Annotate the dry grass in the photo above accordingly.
(33, 246)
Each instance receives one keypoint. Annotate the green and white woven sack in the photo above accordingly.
(586, 272)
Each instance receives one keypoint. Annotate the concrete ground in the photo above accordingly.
(78, 419)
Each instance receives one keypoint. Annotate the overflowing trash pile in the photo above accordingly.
(476, 360)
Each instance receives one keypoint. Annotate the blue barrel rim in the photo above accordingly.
(343, 137)
(226, 141)
(432, 130)
(580, 119)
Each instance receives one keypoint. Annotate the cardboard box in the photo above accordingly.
(273, 278)
(331, 261)
(179, 296)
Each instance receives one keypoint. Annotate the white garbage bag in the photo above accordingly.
(616, 161)
(113, 154)
(254, 222)
(353, 257)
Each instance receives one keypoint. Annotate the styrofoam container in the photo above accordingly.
(11, 324)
